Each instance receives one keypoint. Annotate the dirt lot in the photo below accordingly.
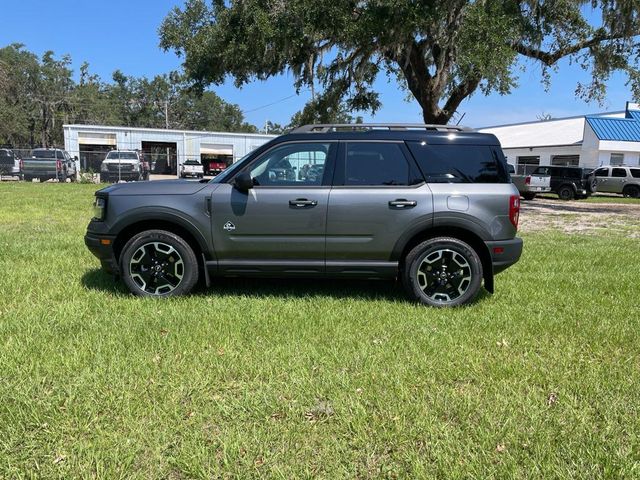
(578, 217)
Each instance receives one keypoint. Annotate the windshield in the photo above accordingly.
(192, 162)
(122, 156)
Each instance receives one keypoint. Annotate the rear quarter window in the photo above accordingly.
(460, 163)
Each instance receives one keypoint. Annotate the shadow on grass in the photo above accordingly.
(277, 287)
(98, 280)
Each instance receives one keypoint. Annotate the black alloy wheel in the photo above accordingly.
(158, 263)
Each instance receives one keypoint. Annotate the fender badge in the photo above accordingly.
(229, 227)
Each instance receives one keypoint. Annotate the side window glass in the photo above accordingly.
(293, 164)
(375, 164)
(635, 172)
(602, 172)
(459, 163)
(59, 155)
(619, 172)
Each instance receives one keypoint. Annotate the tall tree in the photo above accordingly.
(441, 51)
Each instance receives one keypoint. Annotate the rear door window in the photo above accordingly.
(460, 163)
(375, 164)
(635, 172)
(618, 172)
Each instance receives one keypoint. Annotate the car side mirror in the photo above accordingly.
(243, 181)
(75, 158)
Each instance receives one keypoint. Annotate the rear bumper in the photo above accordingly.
(104, 253)
(529, 189)
(504, 253)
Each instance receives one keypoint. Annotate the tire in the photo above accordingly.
(528, 196)
(159, 264)
(632, 191)
(423, 273)
(566, 192)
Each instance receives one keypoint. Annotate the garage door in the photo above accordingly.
(96, 138)
(214, 149)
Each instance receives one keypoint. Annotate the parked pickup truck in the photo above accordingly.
(49, 164)
(10, 164)
(530, 185)
(216, 167)
(122, 165)
(191, 168)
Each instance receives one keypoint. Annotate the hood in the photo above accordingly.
(156, 187)
(115, 160)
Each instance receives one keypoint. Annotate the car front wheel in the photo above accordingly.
(157, 263)
(442, 272)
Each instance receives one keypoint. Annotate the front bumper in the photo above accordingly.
(103, 252)
(113, 177)
(504, 253)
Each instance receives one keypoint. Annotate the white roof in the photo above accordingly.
(561, 131)
(199, 133)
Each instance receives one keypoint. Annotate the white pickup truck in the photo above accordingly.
(530, 185)
(191, 168)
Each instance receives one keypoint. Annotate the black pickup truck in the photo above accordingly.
(570, 182)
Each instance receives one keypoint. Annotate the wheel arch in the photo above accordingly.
(473, 239)
(176, 225)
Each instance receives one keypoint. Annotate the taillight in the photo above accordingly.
(21, 164)
(514, 209)
(58, 165)
(527, 180)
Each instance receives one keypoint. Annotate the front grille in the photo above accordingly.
(123, 167)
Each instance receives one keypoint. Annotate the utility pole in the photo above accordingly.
(166, 114)
(266, 127)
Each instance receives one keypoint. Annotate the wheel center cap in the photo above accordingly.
(157, 268)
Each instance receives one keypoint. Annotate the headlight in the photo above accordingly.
(104, 167)
(99, 208)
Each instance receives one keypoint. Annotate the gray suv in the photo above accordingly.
(432, 205)
(619, 179)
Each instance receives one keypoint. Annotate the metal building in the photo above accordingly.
(586, 141)
(164, 149)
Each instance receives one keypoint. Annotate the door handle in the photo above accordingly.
(302, 203)
(402, 203)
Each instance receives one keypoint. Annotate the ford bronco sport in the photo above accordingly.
(432, 205)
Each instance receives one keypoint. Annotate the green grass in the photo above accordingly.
(600, 198)
(312, 379)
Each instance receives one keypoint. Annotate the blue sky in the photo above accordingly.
(124, 35)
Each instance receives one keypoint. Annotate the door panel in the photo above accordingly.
(364, 224)
(378, 194)
(262, 225)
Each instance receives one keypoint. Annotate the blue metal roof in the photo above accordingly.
(619, 129)
(635, 114)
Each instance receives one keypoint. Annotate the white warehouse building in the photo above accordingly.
(585, 141)
(164, 149)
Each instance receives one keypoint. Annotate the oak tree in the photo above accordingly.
(441, 51)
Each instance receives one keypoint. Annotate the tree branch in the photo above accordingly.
(550, 58)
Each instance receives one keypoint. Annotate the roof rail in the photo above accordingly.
(334, 127)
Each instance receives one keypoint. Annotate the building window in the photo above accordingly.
(616, 159)
(526, 165)
(565, 160)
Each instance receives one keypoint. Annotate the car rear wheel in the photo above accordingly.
(157, 263)
(632, 191)
(442, 272)
(566, 193)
